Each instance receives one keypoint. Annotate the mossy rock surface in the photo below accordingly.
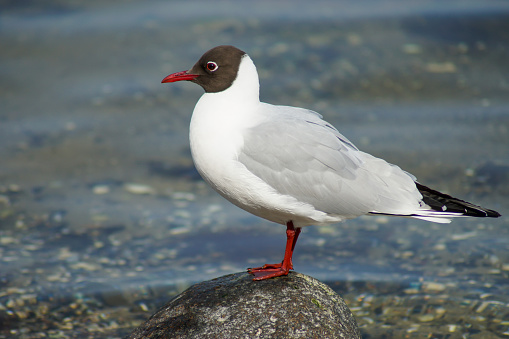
(234, 306)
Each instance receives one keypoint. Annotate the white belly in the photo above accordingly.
(216, 139)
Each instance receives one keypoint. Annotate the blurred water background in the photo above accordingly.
(103, 217)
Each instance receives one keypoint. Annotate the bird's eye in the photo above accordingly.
(212, 66)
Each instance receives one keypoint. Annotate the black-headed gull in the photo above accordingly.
(287, 165)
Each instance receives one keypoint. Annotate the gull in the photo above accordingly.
(288, 165)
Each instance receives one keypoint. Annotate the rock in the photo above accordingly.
(234, 306)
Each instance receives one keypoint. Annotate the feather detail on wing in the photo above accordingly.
(302, 156)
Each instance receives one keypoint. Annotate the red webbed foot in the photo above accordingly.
(276, 270)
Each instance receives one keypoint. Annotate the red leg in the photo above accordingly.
(270, 271)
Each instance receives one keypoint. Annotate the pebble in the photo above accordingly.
(188, 196)
(86, 266)
(411, 49)
(101, 189)
(440, 311)
(8, 240)
(444, 67)
(135, 188)
(434, 286)
(5, 200)
(424, 318)
(463, 236)
(179, 230)
(440, 247)
(483, 306)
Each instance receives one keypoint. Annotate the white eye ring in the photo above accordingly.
(212, 66)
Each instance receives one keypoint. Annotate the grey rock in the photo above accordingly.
(234, 306)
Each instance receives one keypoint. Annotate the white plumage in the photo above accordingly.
(285, 163)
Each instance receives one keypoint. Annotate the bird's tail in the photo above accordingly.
(443, 207)
(448, 206)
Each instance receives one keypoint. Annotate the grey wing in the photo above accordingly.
(308, 159)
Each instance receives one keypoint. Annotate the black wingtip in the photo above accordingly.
(439, 201)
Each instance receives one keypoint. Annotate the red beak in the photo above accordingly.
(179, 76)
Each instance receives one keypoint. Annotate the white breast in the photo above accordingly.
(218, 122)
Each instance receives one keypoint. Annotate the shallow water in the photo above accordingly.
(103, 217)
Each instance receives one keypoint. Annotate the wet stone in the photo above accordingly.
(235, 306)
